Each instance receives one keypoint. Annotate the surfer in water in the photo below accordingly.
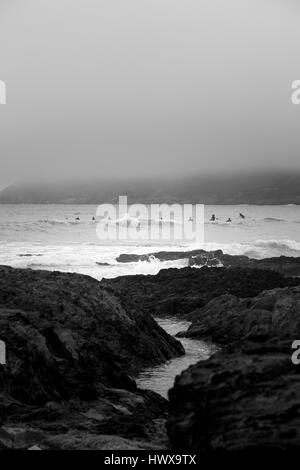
(213, 218)
(242, 216)
(228, 220)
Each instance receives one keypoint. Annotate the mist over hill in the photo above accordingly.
(245, 189)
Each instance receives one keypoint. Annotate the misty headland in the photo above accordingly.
(254, 188)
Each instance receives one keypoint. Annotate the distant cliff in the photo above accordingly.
(253, 189)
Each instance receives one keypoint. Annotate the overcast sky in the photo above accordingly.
(148, 87)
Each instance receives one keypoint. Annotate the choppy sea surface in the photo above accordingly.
(50, 237)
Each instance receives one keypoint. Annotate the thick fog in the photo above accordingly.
(148, 87)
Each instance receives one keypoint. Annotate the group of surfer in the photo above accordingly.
(214, 219)
(77, 219)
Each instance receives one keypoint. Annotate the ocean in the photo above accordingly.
(50, 237)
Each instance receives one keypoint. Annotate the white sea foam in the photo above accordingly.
(49, 237)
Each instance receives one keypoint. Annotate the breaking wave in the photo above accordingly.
(259, 249)
(100, 261)
(273, 219)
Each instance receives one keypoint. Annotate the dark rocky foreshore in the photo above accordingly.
(72, 347)
(273, 313)
(74, 344)
(288, 266)
(247, 396)
(181, 291)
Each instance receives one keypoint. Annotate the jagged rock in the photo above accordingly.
(273, 313)
(159, 255)
(72, 343)
(243, 398)
(288, 266)
(117, 417)
(247, 395)
(181, 291)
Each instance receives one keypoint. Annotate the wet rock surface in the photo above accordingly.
(246, 396)
(285, 265)
(181, 291)
(288, 266)
(72, 348)
(228, 318)
(159, 255)
(74, 344)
